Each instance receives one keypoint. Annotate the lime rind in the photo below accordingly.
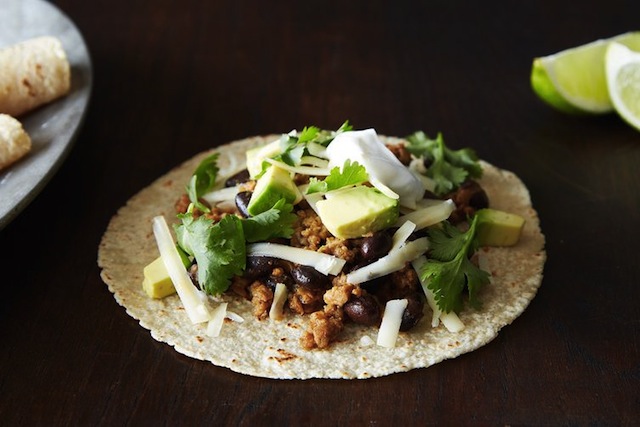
(573, 80)
(544, 87)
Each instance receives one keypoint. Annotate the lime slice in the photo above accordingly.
(573, 80)
(622, 68)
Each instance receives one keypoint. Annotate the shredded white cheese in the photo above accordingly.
(383, 188)
(217, 318)
(431, 300)
(312, 199)
(303, 170)
(428, 216)
(417, 167)
(395, 260)
(450, 320)
(317, 150)
(314, 161)
(276, 312)
(483, 262)
(402, 234)
(391, 320)
(234, 317)
(324, 263)
(221, 195)
(191, 298)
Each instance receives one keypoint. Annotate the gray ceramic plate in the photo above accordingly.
(53, 127)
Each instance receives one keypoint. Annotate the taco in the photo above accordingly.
(444, 283)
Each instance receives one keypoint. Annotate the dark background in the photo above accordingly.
(173, 78)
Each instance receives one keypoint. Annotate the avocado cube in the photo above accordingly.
(498, 228)
(157, 283)
(353, 212)
(275, 184)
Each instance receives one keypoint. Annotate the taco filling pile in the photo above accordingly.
(337, 254)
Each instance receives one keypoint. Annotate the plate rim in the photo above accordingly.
(73, 107)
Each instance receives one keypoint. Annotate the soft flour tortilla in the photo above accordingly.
(32, 73)
(270, 348)
(15, 142)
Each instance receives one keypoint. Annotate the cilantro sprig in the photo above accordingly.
(219, 248)
(448, 168)
(276, 222)
(203, 180)
(448, 270)
(350, 174)
(294, 146)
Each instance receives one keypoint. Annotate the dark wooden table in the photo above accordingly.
(173, 78)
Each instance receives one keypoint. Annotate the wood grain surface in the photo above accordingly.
(173, 78)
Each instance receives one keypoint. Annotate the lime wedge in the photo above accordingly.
(622, 68)
(573, 80)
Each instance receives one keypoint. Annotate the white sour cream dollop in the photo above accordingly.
(364, 147)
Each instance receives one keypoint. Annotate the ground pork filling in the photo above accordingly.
(331, 302)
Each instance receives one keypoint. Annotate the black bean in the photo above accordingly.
(479, 200)
(413, 313)
(309, 277)
(363, 310)
(242, 201)
(285, 279)
(376, 285)
(239, 178)
(260, 266)
(375, 246)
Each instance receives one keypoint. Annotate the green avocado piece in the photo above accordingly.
(156, 282)
(498, 228)
(255, 157)
(275, 184)
(355, 211)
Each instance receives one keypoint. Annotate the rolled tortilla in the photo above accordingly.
(32, 73)
(14, 141)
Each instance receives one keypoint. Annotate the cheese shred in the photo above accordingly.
(391, 321)
(189, 295)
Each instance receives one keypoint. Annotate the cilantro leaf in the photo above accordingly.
(276, 222)
(291, 150)
(448, 270)
(294, 146)
(325, 137)
(203, 180)
(309, 133)
(446, 242)
(448, 168)
(350, 174)
(219, 249)
(345, 127)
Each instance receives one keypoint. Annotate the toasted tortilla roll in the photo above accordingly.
(32, 73)
(14, 141)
